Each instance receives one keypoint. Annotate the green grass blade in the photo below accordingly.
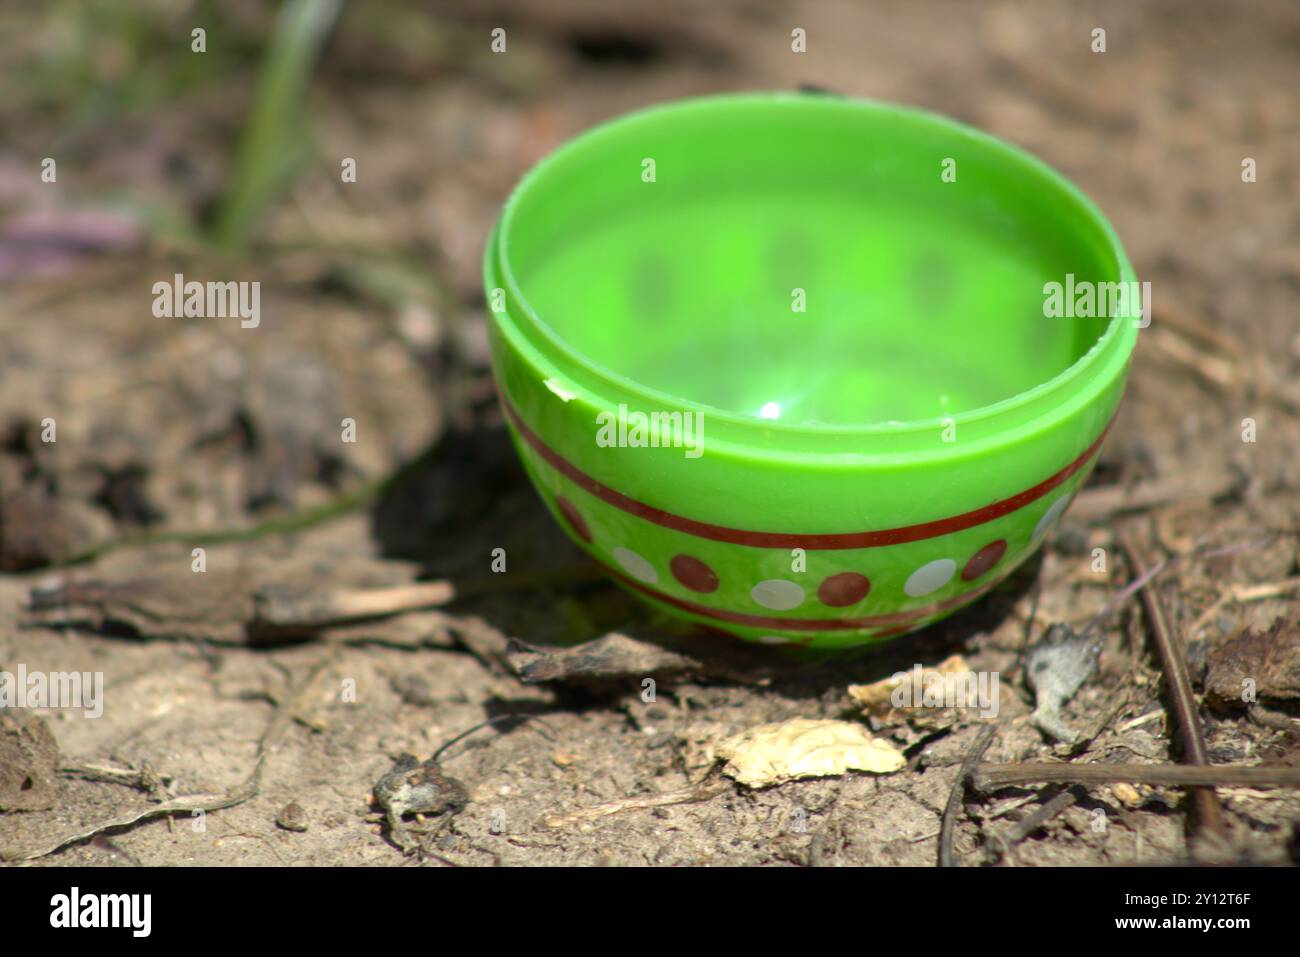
(274, 141)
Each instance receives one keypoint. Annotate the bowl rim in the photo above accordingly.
(1081, 381)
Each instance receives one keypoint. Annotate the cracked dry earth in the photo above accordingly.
(175, 435)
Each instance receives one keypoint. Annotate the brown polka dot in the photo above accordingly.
(846, 588)
(694, 574)
(574, 518)
(984, 559)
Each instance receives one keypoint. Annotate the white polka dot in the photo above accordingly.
(774, 640)
(777, 593)
(636, 566)
(930, 577)
(1050, 516)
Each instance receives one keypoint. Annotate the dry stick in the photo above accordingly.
(1138, 583)
(1103, 502)
(1238, 594)
(314, 608)
(1198, 549)
(320, 608)
(1267, 718)
(280, 720)
(1209, 812)
(991, 777)
(144, 778)
(988, 774)
(1213, 370)
(1037, 819)
(958, 787)
(1185, 322)
(705, 790)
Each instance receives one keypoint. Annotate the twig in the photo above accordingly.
(311, 608)
(1032, 822)
(280, 720)
(1215, 371)
(499, 719)
(1244, 593)
(1107, 501)
(1268, 718)
(1209, 812)
(1119, 701)
(144, 778)
(1141, 720)
(1179, 317)
(991, 777)
(1199, 549)
(705, 790)
(1009, 41)
(958, 787)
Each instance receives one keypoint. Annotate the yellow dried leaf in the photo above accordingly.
(875, 698)
(805, 748)
(1127, 794)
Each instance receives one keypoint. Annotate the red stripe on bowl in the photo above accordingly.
(810, 542)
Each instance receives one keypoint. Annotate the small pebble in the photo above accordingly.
(414, 690)
(292, 817)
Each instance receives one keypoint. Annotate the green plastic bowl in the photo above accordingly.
(782, 363)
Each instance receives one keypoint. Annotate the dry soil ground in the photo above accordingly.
(173, 435)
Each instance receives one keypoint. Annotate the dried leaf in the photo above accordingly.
(1265, 663)
(805, 748)
(614, 655)
(705, 790)
(876, 698)
(170, 602)
(656, 648)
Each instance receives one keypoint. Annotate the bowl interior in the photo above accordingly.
(805, 259)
